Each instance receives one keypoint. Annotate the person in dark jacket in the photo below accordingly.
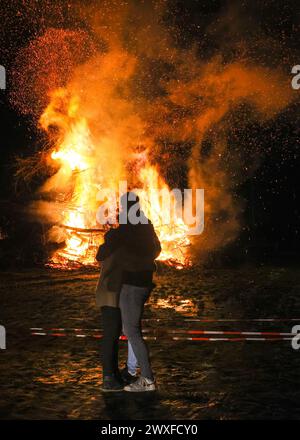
(125, 283)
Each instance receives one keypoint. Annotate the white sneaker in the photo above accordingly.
(141, 385)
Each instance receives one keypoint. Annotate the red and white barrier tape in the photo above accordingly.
(182, 338)
(154, 338)
(161, 331)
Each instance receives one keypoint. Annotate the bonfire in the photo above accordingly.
(78, 176)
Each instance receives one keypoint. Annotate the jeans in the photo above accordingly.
(112, 326)
(132, 300)
(132, 362)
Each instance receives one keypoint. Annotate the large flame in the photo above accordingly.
(76, 177)
(172, 234)
(130, 101)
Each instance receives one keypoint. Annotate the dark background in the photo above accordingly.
(271, 218)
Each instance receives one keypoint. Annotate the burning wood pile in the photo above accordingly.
(78, 176)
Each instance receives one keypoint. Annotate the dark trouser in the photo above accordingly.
(132, 300)
(112, 326)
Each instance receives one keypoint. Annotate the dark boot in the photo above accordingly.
(119, 377)
(127, 377)
(111, 384)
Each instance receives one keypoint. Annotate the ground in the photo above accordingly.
(51, 377)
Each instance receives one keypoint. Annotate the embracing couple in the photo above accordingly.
(127, 265)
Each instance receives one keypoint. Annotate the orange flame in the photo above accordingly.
(76, 181)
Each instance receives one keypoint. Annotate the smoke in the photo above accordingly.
(145, 92)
